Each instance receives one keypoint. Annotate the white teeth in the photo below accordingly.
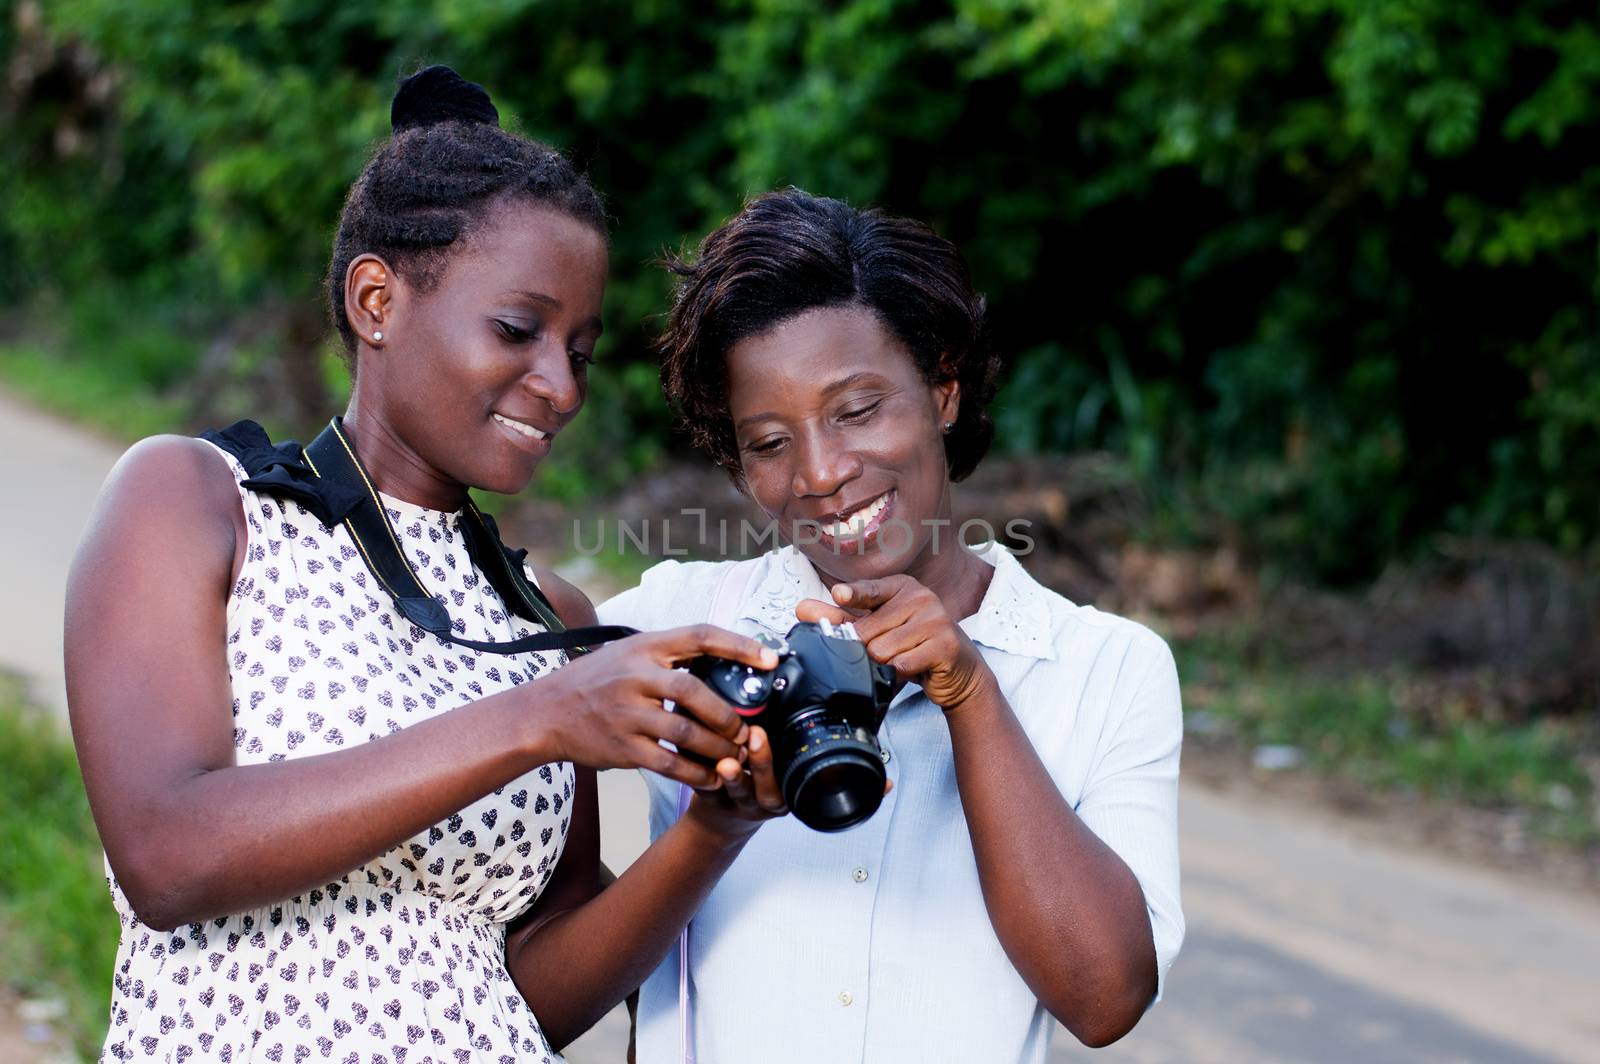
(857, 521)
(526, 430)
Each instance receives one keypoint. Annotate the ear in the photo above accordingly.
(947, 393)
(368, 291)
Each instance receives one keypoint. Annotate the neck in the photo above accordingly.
(394, 465)
(956, 575)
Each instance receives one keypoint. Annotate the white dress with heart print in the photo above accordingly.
(401, 961)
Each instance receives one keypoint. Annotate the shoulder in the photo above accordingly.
(182, 474)
(168, 497)
(1077, 634)
(1132, 672)
(1140, 645)
(571, 604)
(669, 594)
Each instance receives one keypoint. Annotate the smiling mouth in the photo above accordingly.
(861, 522)
(521, 427)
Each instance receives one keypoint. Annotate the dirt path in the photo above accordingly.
(1308, 942)
(50, 474)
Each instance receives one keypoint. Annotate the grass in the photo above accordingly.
(58, 933)
(1358, 727)
(90, 394)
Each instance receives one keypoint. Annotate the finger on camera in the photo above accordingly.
(663, 762)
(763, 780)
(814, 610)
(677, 727)
(888, 618)
(711, 710)
(689, 736)
(697, 640)
(899, 644)
(913, 663)
(735, 781)
(868, 594)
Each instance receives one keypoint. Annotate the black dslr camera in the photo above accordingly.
(821, 708)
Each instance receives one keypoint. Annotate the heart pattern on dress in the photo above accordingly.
(401, 961)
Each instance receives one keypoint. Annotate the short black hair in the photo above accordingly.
(788, 252)
(441, 173)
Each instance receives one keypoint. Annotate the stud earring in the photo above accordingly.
(379, 336)
(948, 426)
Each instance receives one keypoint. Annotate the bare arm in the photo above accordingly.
(190, 833)
(606, 943)
(607, 937)
(1067, 910)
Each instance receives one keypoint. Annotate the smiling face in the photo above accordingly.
(475, 377)
(840, 442)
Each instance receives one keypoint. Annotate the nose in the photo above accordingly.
(822, 466)
(553, 379)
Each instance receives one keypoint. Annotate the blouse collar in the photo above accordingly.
(1014, 616)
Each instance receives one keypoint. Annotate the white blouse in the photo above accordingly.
(874, 944)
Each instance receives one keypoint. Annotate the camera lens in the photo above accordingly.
(834, 777)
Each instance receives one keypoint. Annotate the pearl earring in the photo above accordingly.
(379, 336)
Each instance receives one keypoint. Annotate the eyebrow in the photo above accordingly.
(842, 384)
(537, 297)
(552, 303)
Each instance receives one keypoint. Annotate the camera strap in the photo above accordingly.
(330, 481)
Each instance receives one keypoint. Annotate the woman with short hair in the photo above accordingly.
(1024, 866)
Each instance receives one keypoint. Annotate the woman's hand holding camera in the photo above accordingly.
(604, 710)
(749, 794)
(906, 626)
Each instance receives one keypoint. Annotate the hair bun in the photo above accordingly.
(438, 94)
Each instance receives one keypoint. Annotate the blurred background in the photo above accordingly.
(1301, 300)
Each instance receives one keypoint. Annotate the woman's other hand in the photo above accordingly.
(605, 710)
(906, 626)
(748, 796)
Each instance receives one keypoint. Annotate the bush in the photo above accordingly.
(1323, 269)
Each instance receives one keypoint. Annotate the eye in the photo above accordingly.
(581, 359)
(514, 333)
(861, 413)
(767, 446)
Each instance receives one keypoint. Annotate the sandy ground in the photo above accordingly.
(1308, 942)
(50, 473)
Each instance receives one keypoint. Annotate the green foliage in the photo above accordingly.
(58, 933)
(1354, 726)
(1324, 270)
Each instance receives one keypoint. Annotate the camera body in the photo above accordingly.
(821, 709)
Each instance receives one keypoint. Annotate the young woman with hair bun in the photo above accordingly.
(331, 835)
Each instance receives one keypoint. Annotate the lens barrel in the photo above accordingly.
(832, 771)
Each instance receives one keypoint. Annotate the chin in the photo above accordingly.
(850, 566)
(506, 480)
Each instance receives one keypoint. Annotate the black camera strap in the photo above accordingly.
(331, 481)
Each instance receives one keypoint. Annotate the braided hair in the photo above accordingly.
(447, 165)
